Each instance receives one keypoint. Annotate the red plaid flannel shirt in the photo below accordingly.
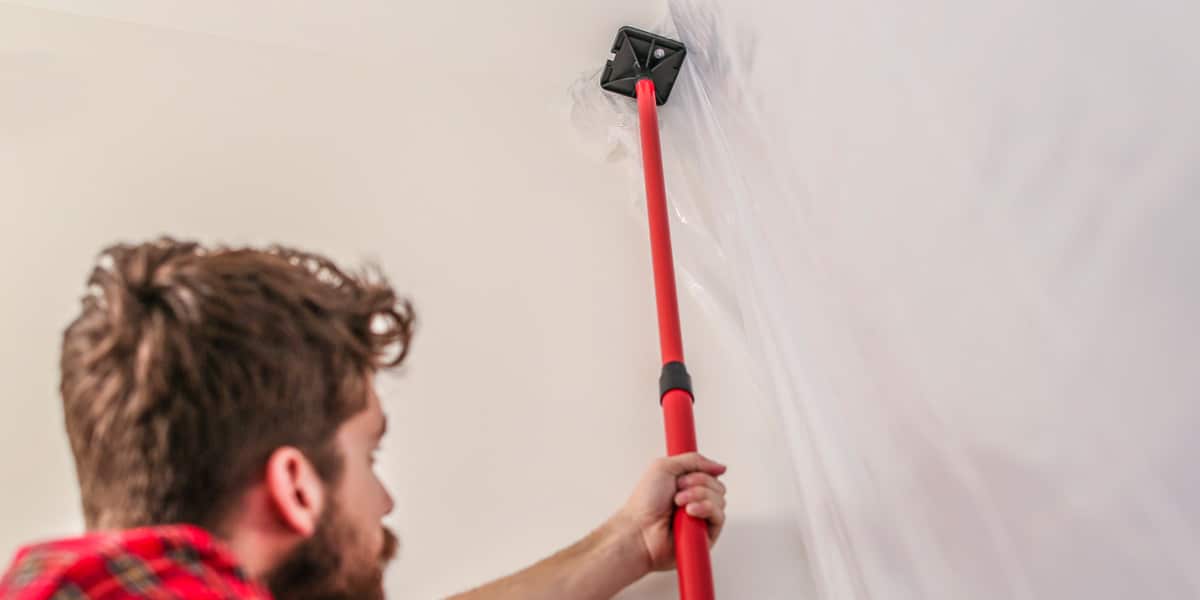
(176, 561)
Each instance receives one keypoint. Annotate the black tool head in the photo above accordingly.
(638, 54)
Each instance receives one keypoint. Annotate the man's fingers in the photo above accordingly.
(690, 462)
(714, 514)
(707, 505)
(702, 510)
(700, 479)
(700, 494)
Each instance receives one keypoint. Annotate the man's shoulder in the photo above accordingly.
(48, 569)
(175, 561)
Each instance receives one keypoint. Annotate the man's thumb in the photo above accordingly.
(691, 462)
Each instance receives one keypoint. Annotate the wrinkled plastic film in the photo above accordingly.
(958, 244)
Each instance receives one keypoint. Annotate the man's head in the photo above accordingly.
(232, 389)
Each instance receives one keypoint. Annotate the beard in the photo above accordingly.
(334, 564)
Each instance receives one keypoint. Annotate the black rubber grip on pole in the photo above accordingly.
(674, 377)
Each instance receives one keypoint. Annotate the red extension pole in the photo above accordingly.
(691, 534)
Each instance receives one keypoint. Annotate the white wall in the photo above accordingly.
(429, 139)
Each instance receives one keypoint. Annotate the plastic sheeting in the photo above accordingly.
(960, 241)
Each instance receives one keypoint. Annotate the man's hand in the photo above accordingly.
(634, 542)
(686, 481)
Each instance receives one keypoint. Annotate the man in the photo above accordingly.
(221, 412)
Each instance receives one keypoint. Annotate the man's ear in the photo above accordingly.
(295, 489)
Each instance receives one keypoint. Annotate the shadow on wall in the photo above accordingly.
(740, 570)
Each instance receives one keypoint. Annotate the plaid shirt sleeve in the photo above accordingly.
(170, 562)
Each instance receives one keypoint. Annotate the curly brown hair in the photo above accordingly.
(189, 366)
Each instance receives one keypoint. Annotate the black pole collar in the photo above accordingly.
(674, 377)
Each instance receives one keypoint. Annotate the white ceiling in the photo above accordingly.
(431, 137)
(546, 34)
